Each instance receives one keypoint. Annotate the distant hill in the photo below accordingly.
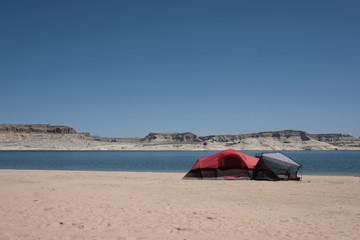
(48, 137)
(36, 128)
(277, 140)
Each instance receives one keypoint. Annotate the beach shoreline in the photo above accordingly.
(48, 204)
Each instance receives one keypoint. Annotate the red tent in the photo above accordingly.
(216, 160)
(232, 164)
(228, 164)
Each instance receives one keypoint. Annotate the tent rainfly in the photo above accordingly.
(232, 164)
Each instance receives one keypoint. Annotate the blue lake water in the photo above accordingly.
(313, 162)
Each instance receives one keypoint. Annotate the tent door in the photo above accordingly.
(230, 167)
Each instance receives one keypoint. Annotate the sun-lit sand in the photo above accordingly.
(127, 205)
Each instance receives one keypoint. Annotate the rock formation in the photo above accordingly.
(333, 137)
(285, 135)
(339, 140)
(36, 128)
(47, 137)
(276, 140)
(170, 138)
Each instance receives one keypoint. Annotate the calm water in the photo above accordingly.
(314, 162)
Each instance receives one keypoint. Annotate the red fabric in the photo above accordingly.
(213, 161)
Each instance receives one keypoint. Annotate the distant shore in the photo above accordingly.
(144, 205)
(101, 146)
(160, 150)
(47, 137)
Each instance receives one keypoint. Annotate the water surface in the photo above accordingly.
(345, 163)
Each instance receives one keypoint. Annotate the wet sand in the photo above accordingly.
(137, 205)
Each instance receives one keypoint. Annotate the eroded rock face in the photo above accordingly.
(333, 137)
(186, 137)
(36, 128)
(286, 139)
(279, 135)
(85, 134)
(282, 135)
(343, 141)
(47, 137)
(285, 135)
(223, 138)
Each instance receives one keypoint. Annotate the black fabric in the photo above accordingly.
(219, 174)
(284, 172)
(276, 171)
(231, 163)
(265, 175)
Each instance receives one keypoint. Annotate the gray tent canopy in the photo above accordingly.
(283, 167)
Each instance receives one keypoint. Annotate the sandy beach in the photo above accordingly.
(137, 205)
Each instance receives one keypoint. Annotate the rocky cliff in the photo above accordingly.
(286, 135)
(170, 138)
(119, 140)
(333, 137)
(36, 128)
(42, 137)
(48, 137)
(339, 140)
(276, 140)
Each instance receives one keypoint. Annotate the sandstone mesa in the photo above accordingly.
(48, 137)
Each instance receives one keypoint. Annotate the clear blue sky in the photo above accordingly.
(126, 68)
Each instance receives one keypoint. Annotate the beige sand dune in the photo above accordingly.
(125, 205)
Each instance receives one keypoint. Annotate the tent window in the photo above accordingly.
(230, 163)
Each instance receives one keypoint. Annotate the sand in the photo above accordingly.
(127, 205)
